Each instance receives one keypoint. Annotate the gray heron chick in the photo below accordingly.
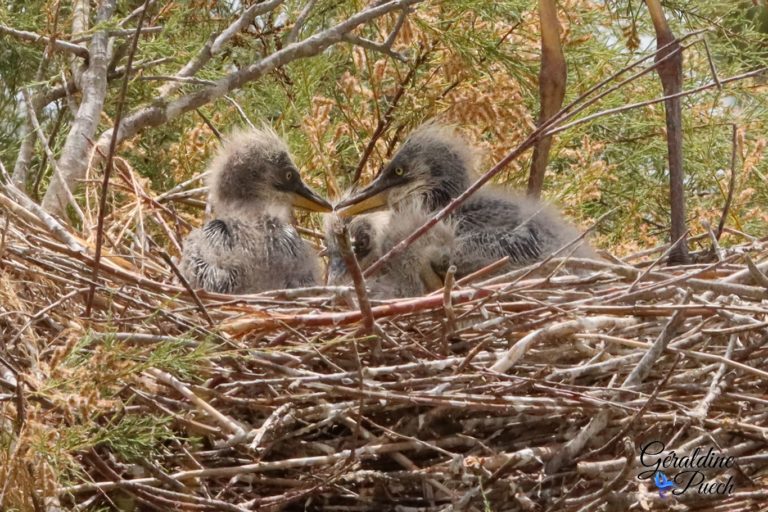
(251, 244)
(433, 167)
(418, 270)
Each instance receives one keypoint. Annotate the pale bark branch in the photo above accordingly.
(49, 153)
(81, 12)
(158, 114)
(58, 44)
(74, 156)
(216, 42)
(124, 32)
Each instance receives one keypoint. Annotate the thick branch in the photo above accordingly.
(552, 78)
(671, 74)
(74, 156)
(158, 114)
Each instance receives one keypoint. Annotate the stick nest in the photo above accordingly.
(535, 390)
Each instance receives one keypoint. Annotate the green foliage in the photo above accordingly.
(479, 70)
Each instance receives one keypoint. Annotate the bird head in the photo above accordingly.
(433, 166)
(365, 234)
(254, 168)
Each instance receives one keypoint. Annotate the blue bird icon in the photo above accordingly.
(663, 483)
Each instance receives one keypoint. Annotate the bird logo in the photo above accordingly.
(662, 483)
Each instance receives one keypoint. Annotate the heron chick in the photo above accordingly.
(418, 270)
(433, 167)
(251, 244)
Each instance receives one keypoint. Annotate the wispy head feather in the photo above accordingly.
(434, 134)
(234, 171)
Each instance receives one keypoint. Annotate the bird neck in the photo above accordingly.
(254, 209)
(442, 191)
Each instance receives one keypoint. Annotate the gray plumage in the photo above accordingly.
(433, 167)
(251, 244)
(418, 270)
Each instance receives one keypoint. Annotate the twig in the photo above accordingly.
(240, 111)
(341, 232)
(712, 67)
(110, 162)
(215, 131)
(303, 16)
(49, 154)
(223, 420)
(643, 368)
(731, 182)
(715, 387)
(566, 328)
(450, 314)
(386, 120)
(756, 273)
(216, 43)
(373, 46)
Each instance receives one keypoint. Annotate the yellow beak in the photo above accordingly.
(373, 202)
(305, 197)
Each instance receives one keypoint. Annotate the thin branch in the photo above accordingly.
(242, 22)
(58, 44)
(712, 67)
(374, 46)
(137, 11)
(110, 161)
(51, 158)
(216, 43)
(208, 123)
(239, 111)
(181, 79)
(341, 232)
(122, 33)
(386, 120)
(293, 35)
(396, 29)
(632, 106)
(731, 182)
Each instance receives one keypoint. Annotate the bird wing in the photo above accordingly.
(289, 256)
(477, 249)
(211, 258)
(492, 227)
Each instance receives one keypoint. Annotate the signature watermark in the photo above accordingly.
(678, 474)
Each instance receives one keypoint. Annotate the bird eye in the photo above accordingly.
(399, 171)
(288, 176)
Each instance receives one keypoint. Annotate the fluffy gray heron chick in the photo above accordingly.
(433, 167)
(418, 270)
(251, 244)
